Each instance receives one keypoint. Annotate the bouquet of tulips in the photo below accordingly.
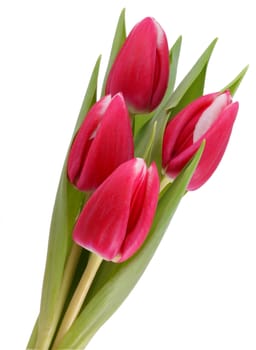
(135, 151)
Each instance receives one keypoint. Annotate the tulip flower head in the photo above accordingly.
(103, 142)
(116, 219)
(141, 68)
(210, 118)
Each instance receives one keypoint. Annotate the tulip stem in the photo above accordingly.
(78, 297)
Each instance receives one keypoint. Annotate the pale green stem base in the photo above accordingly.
(78, 297)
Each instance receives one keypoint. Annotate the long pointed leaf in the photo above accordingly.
(234, 84)
(114, 282)
(119, 38)
(195, 90)
(191, 77)
(174, 60)
(90, 95)
(67, 206)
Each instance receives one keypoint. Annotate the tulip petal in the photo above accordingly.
(146, 202)
(174, 132)
(210, 117)
(135, 60)
(82, 142)
(101, 226)
(112, 145)
(217, 138)
(162, 64)
(138, 69)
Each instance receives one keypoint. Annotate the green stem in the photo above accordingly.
(78, 297)
(45, 337)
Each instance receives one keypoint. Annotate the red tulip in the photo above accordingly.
(116, 219)
(103, 142)
(141, 68)
(208, 118)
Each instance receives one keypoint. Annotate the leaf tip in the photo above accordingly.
(179, 40)
(122, 16)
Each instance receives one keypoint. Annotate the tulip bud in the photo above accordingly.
(141, 68)
(210, 118)
(116, 219)
(103, 142)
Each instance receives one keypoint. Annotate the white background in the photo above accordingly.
(199, 292)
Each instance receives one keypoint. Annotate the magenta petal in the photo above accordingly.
(217, 139)
(101, 226)
(81, 142)
(141, 68)
(146, 203)
(113, 145)
(177, 163)
(208, 118)
(177, 127)
(103, 142)
(162, 64)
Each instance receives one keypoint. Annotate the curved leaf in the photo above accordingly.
(90, 95)
(174, 60)
(234, 84)
(195, 90)
(196, 74)
(119, 38)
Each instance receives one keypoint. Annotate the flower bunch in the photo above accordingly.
(135, 152)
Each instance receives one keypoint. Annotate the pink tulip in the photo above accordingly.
(103, 142)
(116, 219)
(141, 68)
(210, 118)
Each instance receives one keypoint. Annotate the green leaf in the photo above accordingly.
(119, 38)
(141, 141)
(234, 84)
(148, 153)
(140, 121)
(90, 95)
(67, 206)
(174, 60)
(33, 337)
(195, 90)
(192, 85)
(114, 282)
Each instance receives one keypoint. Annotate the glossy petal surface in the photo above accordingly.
(141, 69)
(210, 117)
(117, 217)
(103, 142)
